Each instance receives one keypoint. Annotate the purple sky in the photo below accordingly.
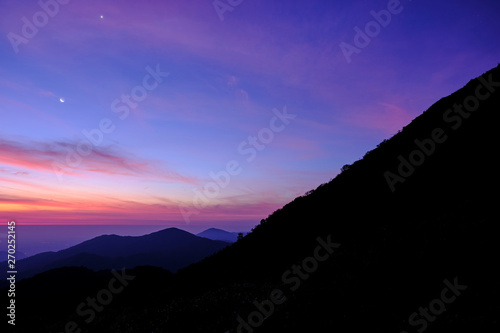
(154, 140)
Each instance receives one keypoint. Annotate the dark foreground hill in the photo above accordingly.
(403, 240)
(170, 249)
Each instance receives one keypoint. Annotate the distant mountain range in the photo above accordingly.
(19, 255)
(170, 249)
(218, 234)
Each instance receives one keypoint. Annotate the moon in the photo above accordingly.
(61, 100)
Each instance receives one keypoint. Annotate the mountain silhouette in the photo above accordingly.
(219, 234)
(411, 218)
(170, 249)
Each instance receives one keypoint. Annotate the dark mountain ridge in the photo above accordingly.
(170, 249)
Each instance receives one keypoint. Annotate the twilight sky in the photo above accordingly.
(122, 112)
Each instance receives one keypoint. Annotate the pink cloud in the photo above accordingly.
(385, 117)
(39, 156)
